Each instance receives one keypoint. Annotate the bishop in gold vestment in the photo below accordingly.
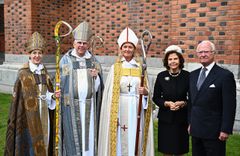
(30, 130)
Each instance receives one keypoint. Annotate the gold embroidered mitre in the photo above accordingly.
(82, 32)
(36, 41)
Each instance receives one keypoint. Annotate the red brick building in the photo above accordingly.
(182, 22)
(2, 43)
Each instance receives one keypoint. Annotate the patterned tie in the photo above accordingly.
(201, 78)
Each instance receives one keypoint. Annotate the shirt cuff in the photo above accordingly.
(145, 102)
(50, 101)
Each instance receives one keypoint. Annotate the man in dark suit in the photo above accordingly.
(213, 104)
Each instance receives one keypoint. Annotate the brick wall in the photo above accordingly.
(184, 22)
(2, 44)
(17, 23)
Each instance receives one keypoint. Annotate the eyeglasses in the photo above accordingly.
(205, 52)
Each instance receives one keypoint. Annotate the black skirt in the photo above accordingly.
(173, 138)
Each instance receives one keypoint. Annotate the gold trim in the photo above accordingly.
(118, 73)
(147, 115)
(114, 108)
(135, 72)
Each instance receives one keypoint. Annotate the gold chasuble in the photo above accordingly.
(30, 128)
(119, 114)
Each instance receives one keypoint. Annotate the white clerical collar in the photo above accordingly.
(87, 54)
(133, 62)
(35, 68)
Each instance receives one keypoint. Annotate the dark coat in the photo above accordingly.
(172, 125)
(212, 108)
(168, 88)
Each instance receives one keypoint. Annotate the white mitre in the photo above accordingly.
(127, 35)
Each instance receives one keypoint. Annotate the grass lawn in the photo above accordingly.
(233, 144)
(4, 109)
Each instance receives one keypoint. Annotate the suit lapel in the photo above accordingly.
(212, 75)
(209, 79)
(194, 84)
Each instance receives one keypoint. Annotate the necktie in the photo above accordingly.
(201, 78)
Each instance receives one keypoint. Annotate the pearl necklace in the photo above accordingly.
(175, 74)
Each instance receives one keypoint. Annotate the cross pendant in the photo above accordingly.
(129, 87)
(124, 127)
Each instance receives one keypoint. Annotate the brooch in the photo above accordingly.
(167, 78)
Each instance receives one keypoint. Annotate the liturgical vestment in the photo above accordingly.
(118, 122)
(30, 130)
(80, 104)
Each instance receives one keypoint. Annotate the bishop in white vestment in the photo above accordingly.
(118, 119)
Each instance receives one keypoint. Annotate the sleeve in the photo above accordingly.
(99, 95)
(64, 76)
(97, 83)
(157, 94)
(12, 120)
(145, 98)
(189, 101)
(50, 101)
(228, 103)
(189, 107)
(64, 70)
(104, 128)
(145, 102)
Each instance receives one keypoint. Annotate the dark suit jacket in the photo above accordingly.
(212, 108)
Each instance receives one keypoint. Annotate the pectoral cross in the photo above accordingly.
(129, 87)
(124, 127)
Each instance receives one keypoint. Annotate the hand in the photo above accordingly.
(56, 94)
(143, 90)
(181, 104)
(171, 105)
(94, 72)
(223, 136)
(189, 127)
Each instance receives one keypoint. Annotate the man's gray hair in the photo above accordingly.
(207, 42)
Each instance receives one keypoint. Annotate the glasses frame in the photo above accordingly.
(205, 52)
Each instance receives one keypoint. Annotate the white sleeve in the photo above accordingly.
(51, 103)
(145, 102)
